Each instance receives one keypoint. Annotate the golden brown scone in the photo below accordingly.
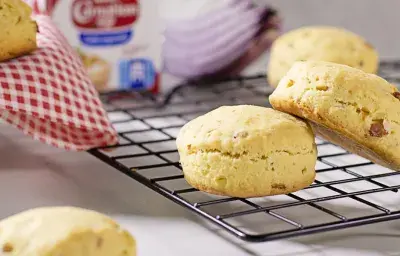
(320, 43)
(351, 108)
(63, 231)
(18, 30)
(97, 68)
(247, 151)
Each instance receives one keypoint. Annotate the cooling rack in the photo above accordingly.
(348, 191)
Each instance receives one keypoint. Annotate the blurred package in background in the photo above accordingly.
(148, 44)
(119, 41)
(216, 39)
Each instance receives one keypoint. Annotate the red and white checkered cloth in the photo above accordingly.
(48, 95)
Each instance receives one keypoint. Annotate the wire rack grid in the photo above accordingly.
(348, 191)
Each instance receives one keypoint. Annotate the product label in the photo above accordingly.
(104, 22)
(118, 41)
(137, 74)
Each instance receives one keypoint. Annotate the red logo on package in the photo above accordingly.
(103, 14)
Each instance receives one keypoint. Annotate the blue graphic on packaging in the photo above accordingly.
(137, 74)
(106, 39)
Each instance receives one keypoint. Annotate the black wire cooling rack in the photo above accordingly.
(348, 191)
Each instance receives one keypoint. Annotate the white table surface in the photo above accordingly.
(33, 175)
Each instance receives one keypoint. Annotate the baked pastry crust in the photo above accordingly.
(320, 43)
(51, 231)
(247, 151)
(18, 30)
(347, 106)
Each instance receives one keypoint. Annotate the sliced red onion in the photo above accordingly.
(210, 42)
(206, 21)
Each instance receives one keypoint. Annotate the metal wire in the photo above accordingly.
(147, 128)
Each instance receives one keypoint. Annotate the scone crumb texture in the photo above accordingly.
(247, 151)
(56, 231)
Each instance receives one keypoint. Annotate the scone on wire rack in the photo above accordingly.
(64, 231)
(347, 106)
(320, 43)
(18, 30)
(247, 151)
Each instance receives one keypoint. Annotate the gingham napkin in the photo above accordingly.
(48, 95)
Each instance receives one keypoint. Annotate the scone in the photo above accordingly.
(320, 43)
(56, 231)
(349, 107)
(247, 151)
(97, 69)
(18, 30)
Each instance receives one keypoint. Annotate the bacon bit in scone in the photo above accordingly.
(290, 83)
(189, 146)
(221, 181)
(368, 45)
(242, 134)
(361, 63)
(377, 129)
(278, 186)
(99, 242)
(363, 111)
(397, 95)
(322, 87)
(7, 247)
